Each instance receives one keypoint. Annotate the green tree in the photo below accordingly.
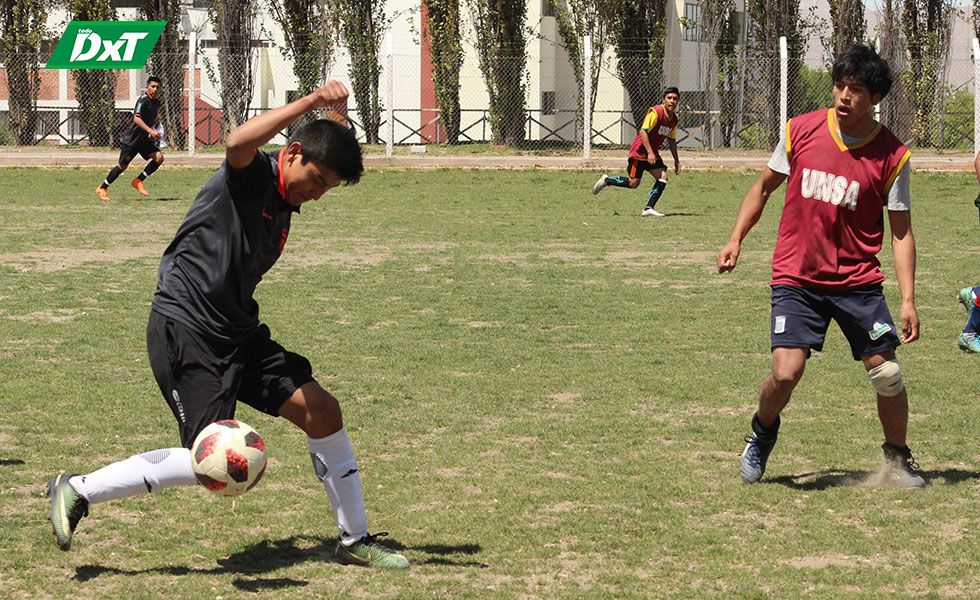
(364, 24)
(847, 19)
(577, 19)
(234, 25)
(895, 108)
(308, 27)
(720, 26)
(21, 32)
(501, 40)
(816, 89)
(95, 89)
(167, 62)
(446, 48)
(975, 18)
(638, 32)
(927, 27)
(772, 19)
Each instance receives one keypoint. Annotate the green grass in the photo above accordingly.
(546, 394)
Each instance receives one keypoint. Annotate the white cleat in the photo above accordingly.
(649, 212)
(600, 185)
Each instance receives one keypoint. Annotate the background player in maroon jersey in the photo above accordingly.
(843, 169)
(659, 124)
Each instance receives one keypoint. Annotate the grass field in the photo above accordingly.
(546, 394)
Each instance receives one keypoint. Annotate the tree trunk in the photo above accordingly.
(501, 49)
(447, 60)
(639, 35)
(234, 22)
(95, 89)
(167, 62)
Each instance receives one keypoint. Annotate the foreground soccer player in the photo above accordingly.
(844, 169)
(206, 345)
(659, 124)
(142, 137)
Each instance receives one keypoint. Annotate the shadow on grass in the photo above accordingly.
(438, 553)
(829, 478)
(678, 213)
(268, 556)
(6, 462)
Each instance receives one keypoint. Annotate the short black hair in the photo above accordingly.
(153, 78)
(332, 145)
(671, 90)
(863, 64)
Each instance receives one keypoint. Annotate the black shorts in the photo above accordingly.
(203, 380)
(635, 167)
(800, 318)
(146, 149)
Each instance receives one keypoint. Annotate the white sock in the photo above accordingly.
(335, 467)
(140, 474)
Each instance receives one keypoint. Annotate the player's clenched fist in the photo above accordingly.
(332, 96)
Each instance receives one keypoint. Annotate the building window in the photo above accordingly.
(691, 22)
(203, 3)
(547, 103)
(547, 8)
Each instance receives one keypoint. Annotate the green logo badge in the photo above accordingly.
(879, 330)
(106, 45)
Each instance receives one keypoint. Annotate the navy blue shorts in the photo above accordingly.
(800, 318)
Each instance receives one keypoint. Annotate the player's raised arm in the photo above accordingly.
(748, 215)
(248, 137)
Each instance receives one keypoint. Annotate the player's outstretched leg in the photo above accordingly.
(969, 342)
(606, 180)
(904, 470)
(152, 471)
(67, 509)
(758, 446)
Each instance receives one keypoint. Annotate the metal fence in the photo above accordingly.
(731, 105)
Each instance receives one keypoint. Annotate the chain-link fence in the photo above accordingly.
(536, 101)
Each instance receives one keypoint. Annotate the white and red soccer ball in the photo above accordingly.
(228, 457)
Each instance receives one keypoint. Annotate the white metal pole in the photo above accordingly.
(976, 96)
(192, 93)
(390, 147)
(587, 97)
(783, 84)
(877, 106)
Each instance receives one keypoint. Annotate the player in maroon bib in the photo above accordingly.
(659, 125)
(843, 170)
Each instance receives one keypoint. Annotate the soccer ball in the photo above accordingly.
(228, 457)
